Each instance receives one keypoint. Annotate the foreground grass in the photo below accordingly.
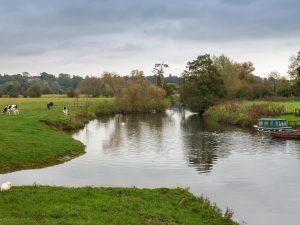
(56, 205)
(27, 141)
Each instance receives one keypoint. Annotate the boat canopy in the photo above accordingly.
(272, 124)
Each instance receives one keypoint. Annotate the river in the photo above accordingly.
(237, 168)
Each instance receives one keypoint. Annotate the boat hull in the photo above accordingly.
(286, 135)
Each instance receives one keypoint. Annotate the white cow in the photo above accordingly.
(11, 109)
(6, 186)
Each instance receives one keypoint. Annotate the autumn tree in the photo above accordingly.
(112, 84)
(139, 95)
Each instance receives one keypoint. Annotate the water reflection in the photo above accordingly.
(201, 142)
(139, 127)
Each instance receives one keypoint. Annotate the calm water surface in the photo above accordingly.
(256, 176)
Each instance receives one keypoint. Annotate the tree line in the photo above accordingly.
(107, 84)
(206, 80)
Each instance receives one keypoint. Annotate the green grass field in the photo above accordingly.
(113, 206)
(26, 142)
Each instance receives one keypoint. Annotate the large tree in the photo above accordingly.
(201, 84)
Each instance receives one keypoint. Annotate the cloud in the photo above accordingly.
(116, 28)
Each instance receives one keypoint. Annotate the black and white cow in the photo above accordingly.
(8, 109)
(50, 105)
(66, 110)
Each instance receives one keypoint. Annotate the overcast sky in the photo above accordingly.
(91, 36)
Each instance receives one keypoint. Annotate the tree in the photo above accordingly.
(112, 84)
(91, 86)
(273, 79)
(159, 70)
(64, 80)
(294, 72)
(230, 72)
(201, 84)
(294, 67)
(34, 91)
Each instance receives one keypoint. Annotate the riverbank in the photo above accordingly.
(247, 112)
(49, 205)
(29, 142)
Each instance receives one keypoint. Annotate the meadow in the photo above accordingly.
(35, 137)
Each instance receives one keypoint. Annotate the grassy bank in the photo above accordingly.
(246, 113)
(56, 205)
(28, 141)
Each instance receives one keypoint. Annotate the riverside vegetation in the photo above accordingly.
(245, 113)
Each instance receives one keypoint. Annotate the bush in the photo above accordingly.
(73, 93)
(241, 113)
(13, 95)
(34, 91)
(140, 96)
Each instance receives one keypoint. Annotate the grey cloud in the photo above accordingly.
(39, 27)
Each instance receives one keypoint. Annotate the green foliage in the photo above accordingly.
(140, 96)
(201, 84)
(294, 67)
(58, 205)
(158, 71)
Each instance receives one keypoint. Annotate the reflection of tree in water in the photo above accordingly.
(132, 127)
(202, 140)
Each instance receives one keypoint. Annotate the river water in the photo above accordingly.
(241, 169)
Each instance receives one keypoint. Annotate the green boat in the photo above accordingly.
(272, 124)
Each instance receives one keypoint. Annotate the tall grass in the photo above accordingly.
(244, 113)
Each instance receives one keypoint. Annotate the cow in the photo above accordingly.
(10, 109)
(50, 105)
(65, 110)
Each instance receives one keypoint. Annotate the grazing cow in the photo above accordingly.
(6, 186)
(11, 109)
(66, 110)
(50, 105)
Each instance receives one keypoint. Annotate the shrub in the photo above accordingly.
(241, 113)
(140, 96)
(34, 91)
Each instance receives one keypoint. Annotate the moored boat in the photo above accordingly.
(272, 124)
(294, 134)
